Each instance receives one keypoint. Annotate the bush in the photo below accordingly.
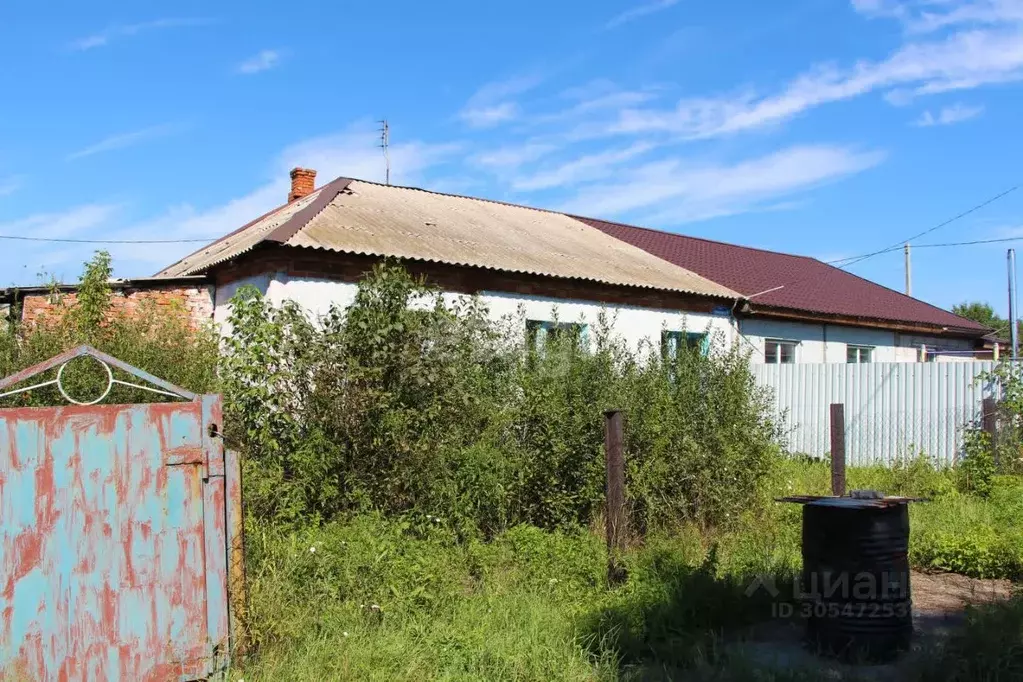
(411, 401)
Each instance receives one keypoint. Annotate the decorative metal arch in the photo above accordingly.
(108, 361)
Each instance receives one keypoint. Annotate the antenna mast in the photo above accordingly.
(385, 140)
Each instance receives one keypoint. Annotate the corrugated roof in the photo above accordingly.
(803, 283)
(353, 216)
(241, 240)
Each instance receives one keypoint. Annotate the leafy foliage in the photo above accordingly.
(413, 402)
(981, 312)
(162, 342)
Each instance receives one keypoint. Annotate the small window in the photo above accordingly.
(672, 342)
(779, 352)
(539, 332)
(858, 354)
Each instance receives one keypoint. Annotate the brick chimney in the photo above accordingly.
(303, 182)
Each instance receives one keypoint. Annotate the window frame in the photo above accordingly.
(671, 338)
(778, 344)
(537, 332)
(859, 349)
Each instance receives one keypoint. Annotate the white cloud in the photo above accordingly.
(115, 31)
(129, 139)
(494, 104)
(926, 16)
(671, 191)
(955, 113)
(489, 116)
(962, 60)
(261, 61)
(63, 224)
(640, 11)
(582, 169)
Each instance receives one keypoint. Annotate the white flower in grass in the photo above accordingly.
(345, 633)
(312, 550)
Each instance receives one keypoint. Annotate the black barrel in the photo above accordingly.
(856, 577)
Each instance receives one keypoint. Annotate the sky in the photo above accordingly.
(828, 128)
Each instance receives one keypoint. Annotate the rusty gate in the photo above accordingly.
(119, 531)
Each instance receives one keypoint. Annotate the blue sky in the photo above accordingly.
(823, 127)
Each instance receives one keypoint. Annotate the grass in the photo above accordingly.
(381, 599)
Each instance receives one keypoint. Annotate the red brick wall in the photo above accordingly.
(195, 299)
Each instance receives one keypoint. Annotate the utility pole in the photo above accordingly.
(909, 271)
(1013, 333)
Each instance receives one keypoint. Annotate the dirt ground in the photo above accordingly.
(939, 603)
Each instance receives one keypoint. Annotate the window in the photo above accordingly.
(672, 342)
(779, 352)
(858, 354)
(539, 332)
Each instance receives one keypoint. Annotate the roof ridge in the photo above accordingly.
(296, 223)
(230, 234)
(464, 196)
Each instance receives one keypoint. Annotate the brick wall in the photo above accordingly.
(195, 299)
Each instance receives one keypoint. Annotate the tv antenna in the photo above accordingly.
(385, 141)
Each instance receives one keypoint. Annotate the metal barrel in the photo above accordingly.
(856, 577)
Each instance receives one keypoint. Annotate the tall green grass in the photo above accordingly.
(531, 604)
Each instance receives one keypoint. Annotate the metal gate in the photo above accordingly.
(117, 535)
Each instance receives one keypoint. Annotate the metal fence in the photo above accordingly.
(893, 411)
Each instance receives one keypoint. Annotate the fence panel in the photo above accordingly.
(893, 410)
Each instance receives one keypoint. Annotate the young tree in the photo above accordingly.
(981, 312)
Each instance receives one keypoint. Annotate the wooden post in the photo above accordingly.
(617, 530)
(837, 449)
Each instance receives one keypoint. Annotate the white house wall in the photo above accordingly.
(816, 343)
(632, 323)
(828, 343)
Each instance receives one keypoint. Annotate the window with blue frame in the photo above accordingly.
(672, 342)
(540, 332)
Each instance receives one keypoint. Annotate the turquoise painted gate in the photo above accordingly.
(115, 533)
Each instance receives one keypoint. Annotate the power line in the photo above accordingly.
(853, 260)
(902, 242)
(934, 246)
(106, 241)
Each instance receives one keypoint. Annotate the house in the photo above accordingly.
(553, 269)
(800, 309)
(557, 270)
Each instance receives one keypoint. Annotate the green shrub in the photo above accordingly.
(162, 341)
(413, 402)
(977, 466)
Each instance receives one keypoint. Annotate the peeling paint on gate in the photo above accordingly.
(113, 533)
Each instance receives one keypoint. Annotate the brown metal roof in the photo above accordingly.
(784, 281)
(353, 216)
